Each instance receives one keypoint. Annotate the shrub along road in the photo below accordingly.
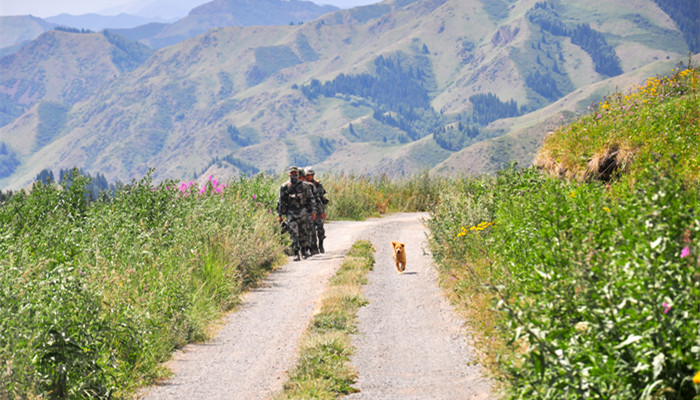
(410, 343)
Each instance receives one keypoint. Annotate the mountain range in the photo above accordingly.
(403, 86)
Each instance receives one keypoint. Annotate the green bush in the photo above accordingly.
(595, 280)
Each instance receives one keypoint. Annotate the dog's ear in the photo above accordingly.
(393, 244)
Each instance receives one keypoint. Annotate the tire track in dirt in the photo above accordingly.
(258, 343)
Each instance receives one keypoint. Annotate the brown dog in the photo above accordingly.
(399, 254)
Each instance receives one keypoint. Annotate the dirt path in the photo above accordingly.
(410, 343)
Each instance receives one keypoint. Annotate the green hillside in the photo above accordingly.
(458, 75)
(66, 66)
(628, 132)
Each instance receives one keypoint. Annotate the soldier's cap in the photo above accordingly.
(310, 172)
(293, 169)
(302, 172)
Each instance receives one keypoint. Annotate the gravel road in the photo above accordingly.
(411, 345)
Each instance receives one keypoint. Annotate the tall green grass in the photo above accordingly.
(356, 197)
(94, 296)
(595, 286)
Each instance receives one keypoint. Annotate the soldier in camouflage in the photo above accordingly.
(309, 223)
(297, 202)
(321, 201)
(313, 248)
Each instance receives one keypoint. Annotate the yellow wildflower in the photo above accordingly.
(696, 378)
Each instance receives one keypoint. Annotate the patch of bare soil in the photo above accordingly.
(411, 345)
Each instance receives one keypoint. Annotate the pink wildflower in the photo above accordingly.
(202, 190)
(685, 252)
(255, 197)
(667, 307)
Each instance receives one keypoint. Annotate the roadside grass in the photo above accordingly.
(589, 289)
(356, 197)
(323, 370)
(94, 296)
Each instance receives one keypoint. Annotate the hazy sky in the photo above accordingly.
(49, 8)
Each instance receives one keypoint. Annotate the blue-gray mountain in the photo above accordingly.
(451, 86)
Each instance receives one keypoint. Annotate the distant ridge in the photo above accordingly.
(96, 22)
(223, 13)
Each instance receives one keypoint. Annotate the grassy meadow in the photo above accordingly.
(579, 277)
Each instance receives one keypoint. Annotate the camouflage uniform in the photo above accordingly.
(313, 247)
(297, 202)
(321, 201)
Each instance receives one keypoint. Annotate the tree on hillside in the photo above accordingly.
(488, 108)
(96, 186)
(127, 54)
(604, 58)
(392, 86)
(543, 84)
(686, 15)
(455, 138)
(395, 91)
(45, 176)
(8, 161)
(72, 30)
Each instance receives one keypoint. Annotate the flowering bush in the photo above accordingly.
(598, 293)
(660, 117)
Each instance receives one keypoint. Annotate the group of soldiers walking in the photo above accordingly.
(302, 200)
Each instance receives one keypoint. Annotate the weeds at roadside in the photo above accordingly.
(323, 370)
(356, 197)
